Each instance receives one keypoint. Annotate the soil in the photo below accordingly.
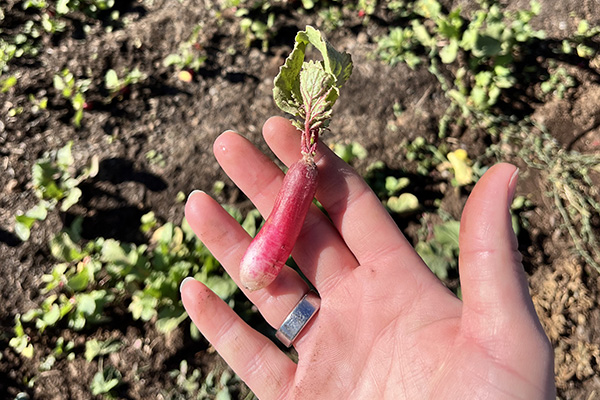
(180, 120)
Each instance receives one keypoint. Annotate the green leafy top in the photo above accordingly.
(308, 89)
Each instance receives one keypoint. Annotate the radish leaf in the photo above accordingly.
(308, 90)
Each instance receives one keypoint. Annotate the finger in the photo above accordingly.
(319, 251)
(357, 213)
(493, 282)
(264, 368)
(227, 241)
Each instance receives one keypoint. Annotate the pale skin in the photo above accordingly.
(387, 327)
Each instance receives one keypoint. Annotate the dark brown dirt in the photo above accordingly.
(180, 120)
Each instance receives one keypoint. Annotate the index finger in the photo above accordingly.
(367, 228)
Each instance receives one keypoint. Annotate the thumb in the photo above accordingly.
(493, 283)
(498, 313)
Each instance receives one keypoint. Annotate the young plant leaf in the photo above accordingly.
(308, 90)
(403, 204)
(463, 172)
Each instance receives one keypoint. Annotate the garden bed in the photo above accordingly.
(150, 130)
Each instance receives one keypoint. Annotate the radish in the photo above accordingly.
(307, 90)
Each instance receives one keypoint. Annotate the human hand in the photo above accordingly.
(387, 327)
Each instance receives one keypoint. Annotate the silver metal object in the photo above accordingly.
(298, 318)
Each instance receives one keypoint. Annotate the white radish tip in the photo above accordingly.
(254, 278)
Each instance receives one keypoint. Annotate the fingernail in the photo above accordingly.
(512, 186)
(194, 192)
(189, 278)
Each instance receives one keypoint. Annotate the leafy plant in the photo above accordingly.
(218, 385)
(20, 46)
(439, 249)
(95, 348)
(155, 158)
(405, 203)
(189, 383)
(489, 43)
(349, 152)
(73, 90)
(582, 41)
(90, 7)
(427, 156)
(106, 272)
(191, 55)
(105, 380)
(257, 30)
(558, 82)
(118, 86)
(569, 176)
(53, 184)
(388, 188)
(61, 350)
(21, 341)
(461, 166)
(7, 83)
(332, 18)
(397, 47)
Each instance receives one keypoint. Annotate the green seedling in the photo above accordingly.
(21, 341)
(388, 189)
(105, 380)
(72, 90)
(90, 7)
(427, 156)
(558, 83)
(96, 348)
(52, 25)
(397, 47)
(217, 384)
(118, 87)
(191, 55)
(350, 152)
(155, 158)
(439, 250)
(518, 210)
(54, 185)
(60, 350)
(405, 203)
(64, 349)
(7, 52)
(582, 41)
(331, 18)
(257, 30)
(188, 383)
(7, 83)
(37, 105)
(461, 167)
(394, 185)
(218, 187)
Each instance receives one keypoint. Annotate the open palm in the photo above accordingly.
(387, 327)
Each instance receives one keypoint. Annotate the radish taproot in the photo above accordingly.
(307, 90)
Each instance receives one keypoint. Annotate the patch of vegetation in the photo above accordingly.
(479, 59)
(486, 46)
(191, 55)
(482, 56)
(570, 185)
(73, 90)
(53, 183)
